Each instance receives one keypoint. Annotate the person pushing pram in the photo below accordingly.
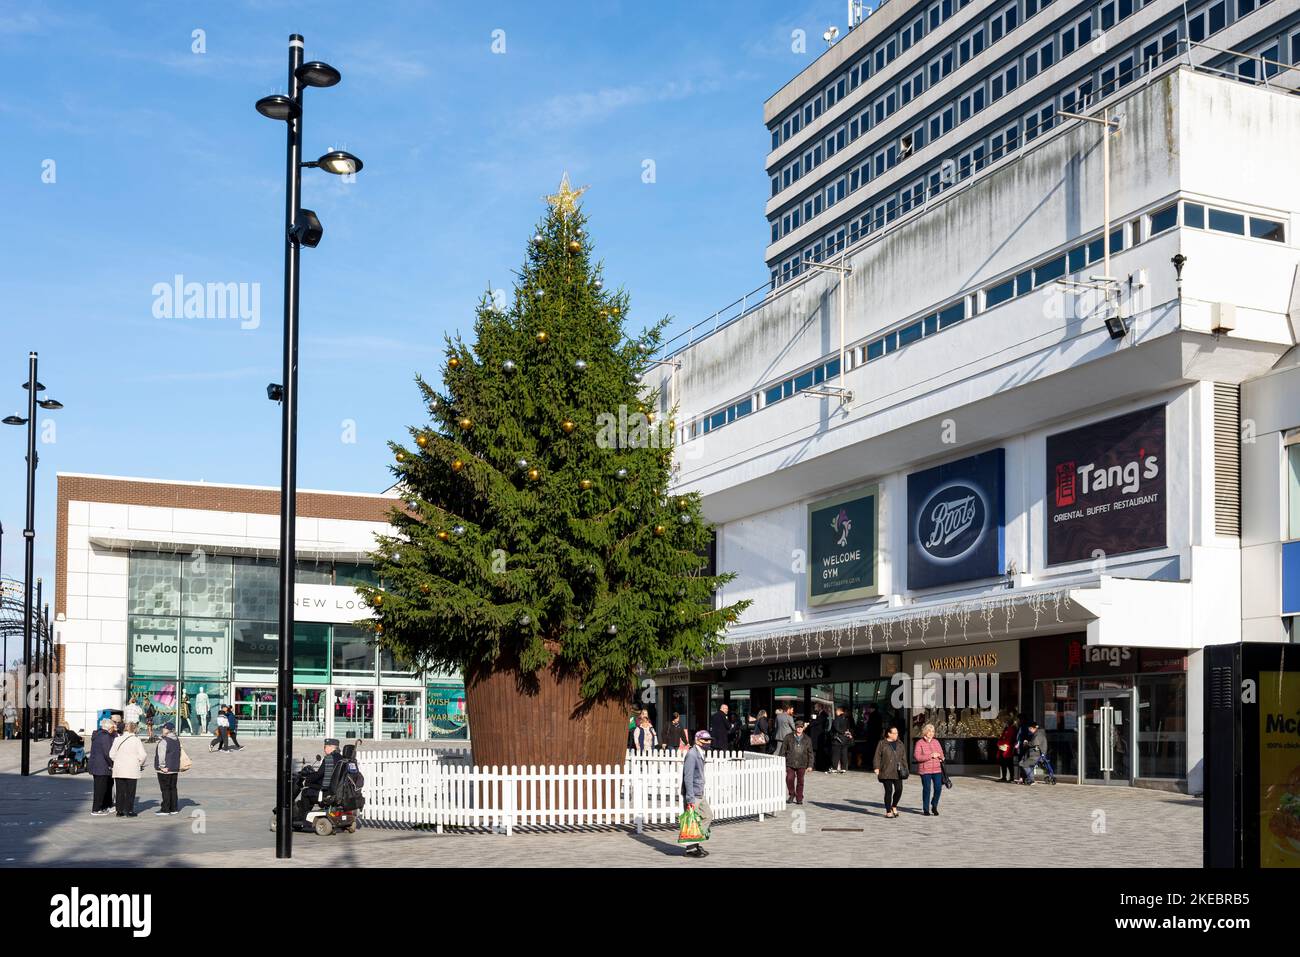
(1033, 752)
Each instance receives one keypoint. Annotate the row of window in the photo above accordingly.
(1067, 263)
(1146, 54)
(947, 116)
(890, 46)
(887, 102)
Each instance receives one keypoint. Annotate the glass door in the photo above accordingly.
(1107, 732)
(354, 713)
(401, 719)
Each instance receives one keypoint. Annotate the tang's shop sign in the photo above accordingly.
(1106, 488)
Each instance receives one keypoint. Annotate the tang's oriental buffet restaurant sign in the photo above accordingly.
(842, 533)
(1106, 487)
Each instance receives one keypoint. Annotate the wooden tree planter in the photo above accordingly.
(522, 720)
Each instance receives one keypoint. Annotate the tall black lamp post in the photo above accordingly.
(302, 228)
(33, 386)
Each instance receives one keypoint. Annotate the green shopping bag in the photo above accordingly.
(690, 827)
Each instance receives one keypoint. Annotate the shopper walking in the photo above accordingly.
(761, 737)
(167, 764)
(784, 725)
(644, 739)
(1006, 752)
(11, 718)
(129, 759)
(799, 757)
(222, 741)
(149, 715)
(841, 738)
(693, 787)
(675, 737)
(929, 760)
(101, 767)
(890, 765)
(131, 715)
(232, 725)
(1034, 746)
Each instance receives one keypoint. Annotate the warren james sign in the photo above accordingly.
(955, 521)
(842, 533)
(1106, 487)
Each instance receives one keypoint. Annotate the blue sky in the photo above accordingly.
(161, 168)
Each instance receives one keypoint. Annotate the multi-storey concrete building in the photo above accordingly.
(981, 443)
(920, 96)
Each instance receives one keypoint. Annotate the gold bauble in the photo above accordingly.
(574, 246)
(466, 423)
(457, 465)
(542, 336)
(422, 441)
(443, 535)
(585, 484)
(568, 425)
(614, 310)
(379, 629)
(401, 456)
(659, 529)
(534, 475)
(453, 362)
(424, 589)
(650, 417)
(379, 599)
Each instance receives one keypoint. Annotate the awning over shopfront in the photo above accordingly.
(1113, 611)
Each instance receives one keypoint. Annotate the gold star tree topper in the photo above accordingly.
(565, 202)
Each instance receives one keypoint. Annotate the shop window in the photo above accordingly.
(352, 653)
(154, 584)
(154, 650)
(255, 648)
(311, 652)
(257, 588)
(1162, 726)
(205, 648)
(1057, 701)
(310, 572)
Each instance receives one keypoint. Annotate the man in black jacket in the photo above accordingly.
(318, 782)
(720, 727)
(841, 736)
(798, 751)
(101, 767)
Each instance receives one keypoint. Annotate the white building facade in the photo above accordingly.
(1037, 460)
(168, 593)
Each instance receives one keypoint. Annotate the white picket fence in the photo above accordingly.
(441, 788)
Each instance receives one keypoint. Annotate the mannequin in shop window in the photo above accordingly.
(201, 706)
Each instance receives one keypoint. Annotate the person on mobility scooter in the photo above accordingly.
(328, 795)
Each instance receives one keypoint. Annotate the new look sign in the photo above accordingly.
(955, 521)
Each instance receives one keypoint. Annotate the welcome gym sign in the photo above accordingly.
(842, 539)
(1106, 487)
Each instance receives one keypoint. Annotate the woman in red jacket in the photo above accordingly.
(929, 758)
(1007, 752)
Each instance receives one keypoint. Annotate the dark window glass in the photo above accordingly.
(255, 646)
(1194, 215)
(1048, 55)
(1244, 7)
(1076, 259)
(1052, 269)
(1163, 219)
(1196, 28)
(353, 654)
(772, 395)
(1013, 18)
(1218, 17)
(1108, 16)
(311, 652)
(1116, 240)
(1226, 222)
(1067, 43)
(1266, 229)
(1125, 8)
(832, 368)
(891, 342)
(1024, 283)
(803, 381)
(931, 324)
(875, 349)
(717, 420)
(952, 315)
(909, 334)
(1085, 31)
(1013, 78)
(996, 295)
(1094, 251)
(744, 408)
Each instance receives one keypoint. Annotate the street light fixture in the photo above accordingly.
(33, 386)
(302, 227)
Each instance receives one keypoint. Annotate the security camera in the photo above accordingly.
(308, 230)
(275, 392)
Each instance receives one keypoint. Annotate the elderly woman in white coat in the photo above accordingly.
(129, 758)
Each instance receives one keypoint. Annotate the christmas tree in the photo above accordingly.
(539, 550)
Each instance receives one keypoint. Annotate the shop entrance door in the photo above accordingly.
(353, 714)
(1107, 732)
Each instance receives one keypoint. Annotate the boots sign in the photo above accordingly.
(955, 521)
(1106, 487)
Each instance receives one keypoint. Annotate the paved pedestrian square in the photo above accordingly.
(226, 802)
